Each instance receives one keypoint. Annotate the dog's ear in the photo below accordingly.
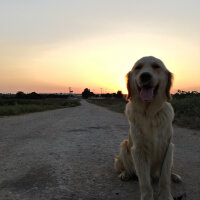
(169, 84)
(128, 85)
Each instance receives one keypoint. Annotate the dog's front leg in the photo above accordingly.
(142, 168)
(165, 178)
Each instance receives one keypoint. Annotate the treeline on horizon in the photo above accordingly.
(87, 93)
(182, 94)
(178, 95)
(33, 95)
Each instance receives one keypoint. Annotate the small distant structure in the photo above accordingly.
(70, 91)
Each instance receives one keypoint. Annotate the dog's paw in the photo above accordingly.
(176, 178)
(124, 176)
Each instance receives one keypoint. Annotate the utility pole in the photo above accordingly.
(70, 91)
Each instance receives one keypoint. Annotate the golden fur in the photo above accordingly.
(148, 151)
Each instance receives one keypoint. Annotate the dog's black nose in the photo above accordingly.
(145, 77)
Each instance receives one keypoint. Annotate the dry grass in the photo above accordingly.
(21, 106)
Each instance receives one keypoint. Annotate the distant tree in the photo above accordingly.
(33, 95)
(20, 95)
(86, 93)
(119, 94)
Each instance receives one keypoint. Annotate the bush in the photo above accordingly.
(86, 93)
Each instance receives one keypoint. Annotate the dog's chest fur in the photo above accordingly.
(150, 134)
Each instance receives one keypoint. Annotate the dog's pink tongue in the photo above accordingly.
(146, 94)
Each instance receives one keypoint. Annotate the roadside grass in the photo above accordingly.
(22, 106)
(187, 110)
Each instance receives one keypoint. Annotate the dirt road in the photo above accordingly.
(68, 154)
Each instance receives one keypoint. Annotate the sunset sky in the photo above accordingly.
(47, 46)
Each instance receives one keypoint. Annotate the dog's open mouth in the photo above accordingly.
(147, 93)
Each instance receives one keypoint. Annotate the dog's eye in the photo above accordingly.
(138, 67)
(155, 66)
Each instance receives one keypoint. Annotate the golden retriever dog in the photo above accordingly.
(148, 151)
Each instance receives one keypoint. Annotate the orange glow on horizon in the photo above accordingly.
(99, 62)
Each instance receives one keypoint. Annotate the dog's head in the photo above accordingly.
(148, 80)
